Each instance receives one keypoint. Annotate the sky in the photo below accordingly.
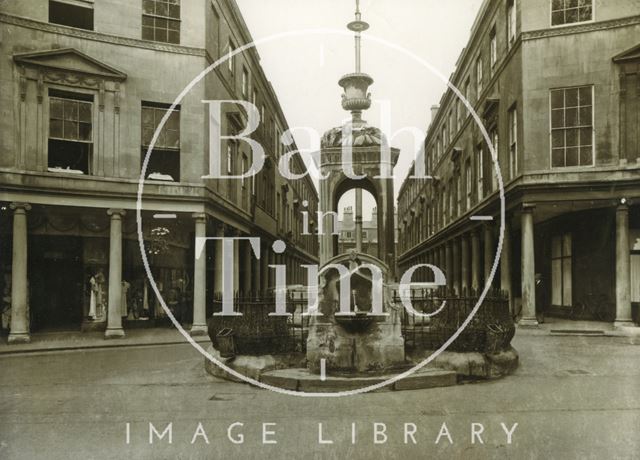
(304, 69)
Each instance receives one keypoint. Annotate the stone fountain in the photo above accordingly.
(365, 338)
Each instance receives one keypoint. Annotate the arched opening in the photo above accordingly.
(357, 205)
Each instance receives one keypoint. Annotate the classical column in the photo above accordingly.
(505, 263)
(623, 268)
(264, 264)
(448, 254)
(475, 260)
(442, 259)
(456, 266)
(358, 220)
(464, 272)
(257, 273)
(236, 263)
(199, 326)
(114, 312)
(489, 252)
(218, 261)
(272, 272)
(528, 270)
(19, 285)
(247, 262)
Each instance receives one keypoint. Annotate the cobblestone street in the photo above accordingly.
(573, 397)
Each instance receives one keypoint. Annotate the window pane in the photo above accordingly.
(173, 122)
(174, 11)
(557, 5)
(557, 158)
(70, 130)
(572, 137)
(586, 13)
(84, 131)
(571, 3)
(557, 138)
(571, 16)
(70, 110)
(55, 128)
(172, 139)
(557, 99)
(585, 116)
(586, 156)
(162, 9)
(572, 156)
(557, 18)
(585, 95)
(571, 117)
(147, 7)
(84, 112)
(147, 135)
(571, 97)
(557, 118)
(586, 136)
(161, 35)
(55, 108)
(173, 37)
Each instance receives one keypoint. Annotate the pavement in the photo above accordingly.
(76, 340)
(573, 397)
(70, 340)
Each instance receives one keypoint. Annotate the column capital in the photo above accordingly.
(219, 227)
(622, 206)
(20, 206)
(528, 207)
(199, 216)
(116, 213)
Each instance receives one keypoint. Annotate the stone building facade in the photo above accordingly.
(83, 87)
(556, 85)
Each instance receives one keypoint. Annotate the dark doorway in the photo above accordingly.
(56, 284)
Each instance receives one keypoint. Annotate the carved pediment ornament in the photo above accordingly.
(70, 67)
(55, 76)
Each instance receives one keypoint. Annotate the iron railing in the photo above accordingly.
(490, 329)
(257, 332)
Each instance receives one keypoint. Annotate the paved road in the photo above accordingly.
(572, 397)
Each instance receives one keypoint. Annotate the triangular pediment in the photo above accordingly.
(630, 55)
(69, 60)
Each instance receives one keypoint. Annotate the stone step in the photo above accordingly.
(304, 380)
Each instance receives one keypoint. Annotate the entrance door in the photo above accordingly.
(56, 284)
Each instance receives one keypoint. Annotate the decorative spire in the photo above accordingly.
(355, 97)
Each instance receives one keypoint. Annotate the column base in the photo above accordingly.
(528, 323)
(116, 333)
(623, 323)
(22, 337)
(198, 330)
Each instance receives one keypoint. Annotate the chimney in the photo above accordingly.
(348, 215)
(434, 112)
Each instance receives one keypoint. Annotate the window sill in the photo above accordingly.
(569, 24)
(59, 170)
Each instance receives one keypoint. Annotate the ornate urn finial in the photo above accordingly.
(356, 97)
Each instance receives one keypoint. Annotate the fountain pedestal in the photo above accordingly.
(361, 343)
